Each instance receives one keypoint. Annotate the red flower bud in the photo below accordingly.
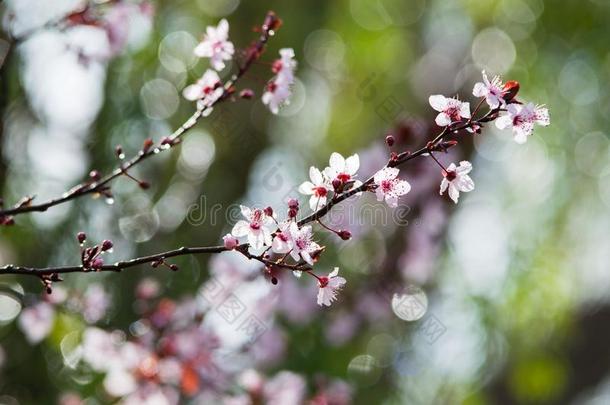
(246, 94)
(268, 211)
(344, 234)
(81, 237)
(106, 245)
(389, 140)
(148, 143)
(510, 90)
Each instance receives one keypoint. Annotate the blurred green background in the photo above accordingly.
(515, 277)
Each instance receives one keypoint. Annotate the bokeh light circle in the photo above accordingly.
(411, 304)
(493, 50)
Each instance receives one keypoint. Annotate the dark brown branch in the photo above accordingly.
(100, 185)
(243, 248)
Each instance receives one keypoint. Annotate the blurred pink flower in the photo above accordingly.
(37, 321)
(216, 45)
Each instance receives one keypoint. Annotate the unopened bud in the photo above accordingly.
(293, 203)
(144, 185)
(292, 212)
(81, 237)
(337, 184)
(106, 245)
(173, 267)
(268, 211)
(97, 263)
(94, 175)
(274, 280)
(230, 241)
(148, 143)
(389, 140)
(344, 234)
(510, 90)
(119, 152)
(246, 94)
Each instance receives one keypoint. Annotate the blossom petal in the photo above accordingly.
(306, 188)
(442, 120)
(241, 228)
(479, 90)
(337, 162)
(352, 164)
(438, 102)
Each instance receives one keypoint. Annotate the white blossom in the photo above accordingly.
(216, 45)
(450, 110)
(522, 119)
(329, 286)
(389, 188)
(456, 179)
(257, 226)
(318, 188)
(490, 89)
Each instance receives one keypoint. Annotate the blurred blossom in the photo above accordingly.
(36, 321)
(285, 388)
(493, 50)
(341, 329)
(95, 303)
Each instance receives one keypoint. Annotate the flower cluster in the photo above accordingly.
(219, 49)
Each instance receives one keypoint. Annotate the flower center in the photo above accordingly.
(451, 175)
(344, 177)
(454, 113)
(323, 281)
(320, 191)
(386, 186)
(277, 66)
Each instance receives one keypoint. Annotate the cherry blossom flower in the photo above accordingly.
(318, 188)
(329, 286)
(522, 119)
(492, 90)
(206, 91)
(216, 45)
(230, 242)
(303, 245)
(342, 169)
(282, 242)
(36, 321)
(257, 227)
(457, 179)
(285, 388)
(450, 109)
(389, 188)
(279, 88)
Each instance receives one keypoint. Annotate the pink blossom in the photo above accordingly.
(216, 45)
(285, 388)
(37, 321)
(329, 286)
(522, 119)
(342, 169)
(282, 242)
(389, 188)
(318, 188)
(456, 179)
(451, 110)
(206, 91)
(303, 245)
(492, 90)
(257, 227)
(95, 303)
(230, 242)
(278, 89)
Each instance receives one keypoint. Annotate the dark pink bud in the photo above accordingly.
(94, 175)
(173, 267)
(389, 140)
(106, 245)
(337, 184)
(144, 185)
(344, 234)
(246, 94)
(293, 203)
(268, 211)
(292, 212)
(81, 237)
(97, 263)
(148, 143)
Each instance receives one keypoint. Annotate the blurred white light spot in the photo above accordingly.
(382, 348)
(176, 51)
(324, 50)
(363, 368)
(159, 99)
(410, 305)
(9, 308)
(197, 153)
(370, 15)
(71, 350)
(493, 50)
(218, 8)
(578, 83)
(140, 221)
(592, 154)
